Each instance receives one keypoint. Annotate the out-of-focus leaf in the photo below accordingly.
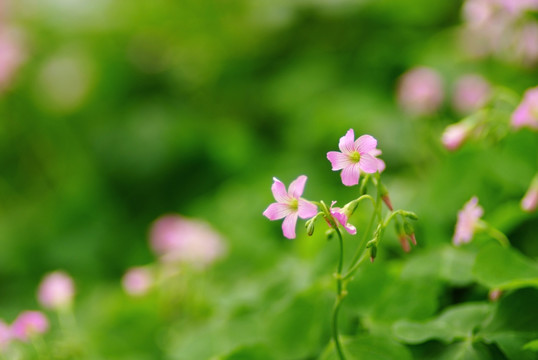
(458, 322)
(369, 347)
(503, 268)
(514, 323)
(531, 345)
(250, 352)
(451, 264)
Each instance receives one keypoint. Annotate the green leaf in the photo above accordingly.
(502, 268)
(452, 264)
(457, 322)
(250, 352)
(531, 345)
(514, 323)
(369, 347)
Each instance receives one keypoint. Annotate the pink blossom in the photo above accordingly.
(526, 114)
(529, 202)
(178, 239)
(5, 335)
(454, 135)
(355, 156)
(28, 324)
(342, 217)
(470, 93)
(137, 281)
(11, 56)
(290, 205)
(56, 290)
(420, 91)
(526, 44)
(468, 219)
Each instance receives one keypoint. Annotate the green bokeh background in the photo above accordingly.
(128, 110)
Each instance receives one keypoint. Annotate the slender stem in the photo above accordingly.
(499, 236)
(340, 294)
(362, 244)
(355, 267)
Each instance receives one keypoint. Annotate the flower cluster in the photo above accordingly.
(501, 28)
(55, 292)
(178, 242)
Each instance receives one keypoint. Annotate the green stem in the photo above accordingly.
(355, 267)
(499, 236)
(340, 294)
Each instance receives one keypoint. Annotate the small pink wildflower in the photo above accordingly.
(342, 217)
(526, 114)
(11, 55)
(468, 219)
(137, 281)
(529, 203)
(28, 324)
(56, 290)
(454, 135)
(420, 91)
(355, 156)
(178, 239)
(290, 205)
(5, 335)
(470, 93)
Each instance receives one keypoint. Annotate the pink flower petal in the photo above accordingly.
(365, 144)
(380, 165)
(338, 160)
(288, 225)
(350, 175)
(277, 211)
(279, 191)
(306, 209)
(347, 142)
(368, 163)
(297, 187)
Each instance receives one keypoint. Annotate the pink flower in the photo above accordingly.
(178, 239)
(28, 324)
(468, 219)
(137, 281)
(526, 114)
(11, 55)
(5, 335)
(290, 205)
(529, 202)
(470, 93)
(355, 156)
(420, 91)
(454, 135)
(56, 290)
(342, 217)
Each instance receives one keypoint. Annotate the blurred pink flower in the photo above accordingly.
(468, 219)
(355, 156)
(28, 324)
(290, 205)
(137, 281)
(11, 56)
(529, 202)
(526, 114)
(178, 239)
(342, 217)
(526, 44)
(516, 7)
(56, 290)
(470, 93)
(5, 335)
(420, 91)
(454, 135)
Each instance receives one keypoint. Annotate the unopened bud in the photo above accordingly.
(409, 214)
(410, 231)
(404, 243)
(495, 294)
(350, 208)
(310, 227)
(373, 253)
(329, 233)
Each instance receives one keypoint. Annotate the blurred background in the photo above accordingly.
(116, 113)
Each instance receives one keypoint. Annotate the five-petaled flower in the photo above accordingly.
(355, 156)
(290, 205)
(468, 218)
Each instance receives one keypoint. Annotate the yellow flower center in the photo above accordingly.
(294, 204)
(355, 156)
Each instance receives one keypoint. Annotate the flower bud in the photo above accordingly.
(373, 253)
(310, 227)
(409, 214)
(409, 231)
(350, 208)
(329, 233)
